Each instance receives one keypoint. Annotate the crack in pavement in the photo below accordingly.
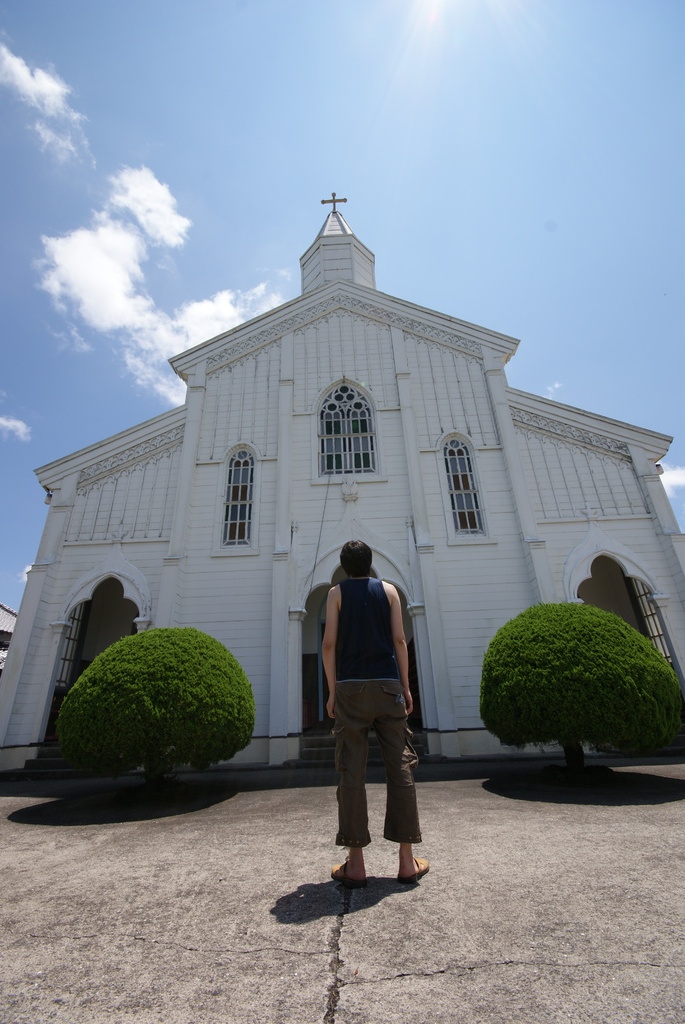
(333, 994)
(337, 983)
(181, 945)
(488, 965)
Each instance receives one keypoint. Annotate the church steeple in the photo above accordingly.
(336, 254)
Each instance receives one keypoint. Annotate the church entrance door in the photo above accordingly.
(314, 686)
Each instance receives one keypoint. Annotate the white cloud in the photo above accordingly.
(673, 478)
(45, 92)
(209, 317)
(553, 388)
(40, 89)
(62, 145)
(151, 203)
(11, 427)
(97, 272)
(71, 340)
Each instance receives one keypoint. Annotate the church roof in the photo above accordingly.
(335, 224)
(8, 617)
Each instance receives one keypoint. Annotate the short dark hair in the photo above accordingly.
(356, 558)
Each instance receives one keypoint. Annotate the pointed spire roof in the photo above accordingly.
(335, 224)
(336, 254)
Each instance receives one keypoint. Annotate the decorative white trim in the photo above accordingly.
(339, 300)
(329, 560)
(151, 450)
(349, 489)
(566, 432)
(596, 542)
(116, 565)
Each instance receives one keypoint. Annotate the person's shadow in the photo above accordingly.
(314, 900)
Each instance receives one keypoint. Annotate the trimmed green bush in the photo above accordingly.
(574, 674)
(156, 700)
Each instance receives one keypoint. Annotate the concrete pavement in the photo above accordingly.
(543, 904)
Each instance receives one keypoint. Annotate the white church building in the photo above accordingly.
(344, 413)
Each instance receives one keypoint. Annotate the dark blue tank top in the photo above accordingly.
(367, 650)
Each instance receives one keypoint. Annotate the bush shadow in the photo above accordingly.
(607, 787)
(130, 800)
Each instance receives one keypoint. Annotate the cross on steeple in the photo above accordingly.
(334, 200)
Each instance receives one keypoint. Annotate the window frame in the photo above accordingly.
(455, 533)
(348, 452)
(250, 545)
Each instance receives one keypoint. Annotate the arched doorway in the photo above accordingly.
(314, 688)
(609, 588)
(93, 625)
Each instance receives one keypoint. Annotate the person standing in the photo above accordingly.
(367, 668)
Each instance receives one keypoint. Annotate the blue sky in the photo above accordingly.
(514, 163)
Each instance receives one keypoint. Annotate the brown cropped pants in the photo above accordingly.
(380, 704)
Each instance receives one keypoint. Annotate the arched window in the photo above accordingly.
(239, 497)
(347, 442)
(463, 492)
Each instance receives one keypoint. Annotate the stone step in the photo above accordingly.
(320, 749)
(48, 759)
(47, 764)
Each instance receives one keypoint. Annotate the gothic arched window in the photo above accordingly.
(239, 497)
(347, 443)
(462, 488)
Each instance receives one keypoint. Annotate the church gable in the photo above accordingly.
(246, 339)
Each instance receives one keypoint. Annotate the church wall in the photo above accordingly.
(593, 480)
(563, 479)
(359, 350)
(34, 681)
(138, 502)
(381, 505)
(450, 394)
(227, 592)
(343, 346)
(240, 408)
(482, 579)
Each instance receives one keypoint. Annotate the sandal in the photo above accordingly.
(339, 874)
(422, 868)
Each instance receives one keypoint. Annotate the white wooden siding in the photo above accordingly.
(344, 345)
(240, 406)
(451, 394)
(565, 479)
(137, 502)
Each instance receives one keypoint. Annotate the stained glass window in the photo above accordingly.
(347, 442)
(462, 488)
